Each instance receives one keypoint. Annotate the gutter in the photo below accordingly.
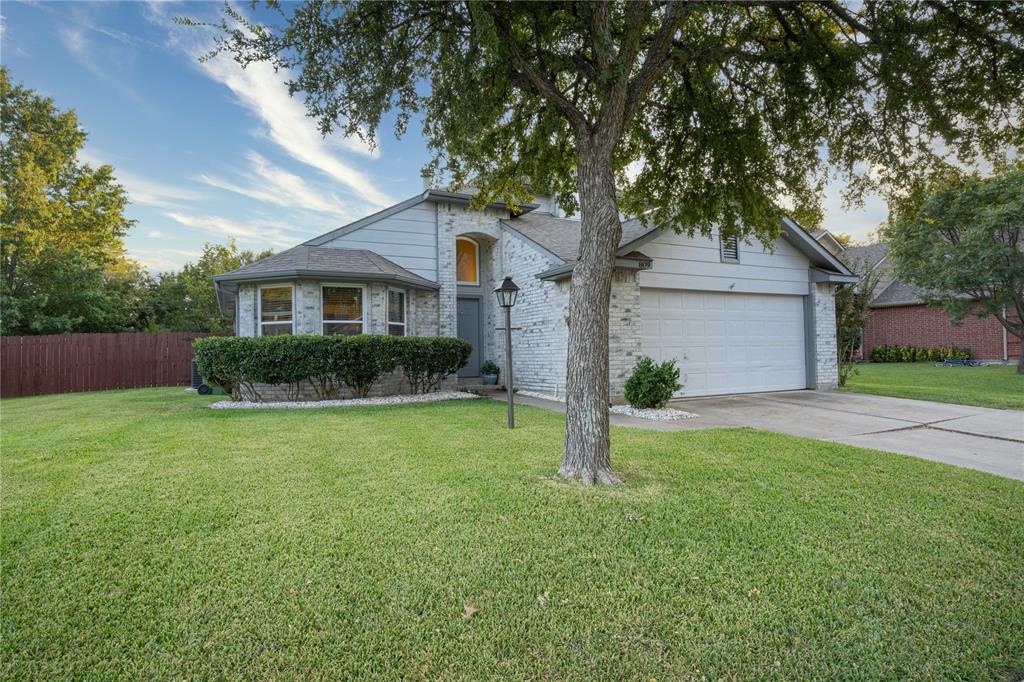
(333, 275)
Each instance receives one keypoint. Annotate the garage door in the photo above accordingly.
(727, 343)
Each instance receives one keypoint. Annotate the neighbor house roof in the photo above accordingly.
(897, 293)
(326, 262)
(870, 255)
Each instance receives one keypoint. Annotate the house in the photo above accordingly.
(739, 317)
(900, 317)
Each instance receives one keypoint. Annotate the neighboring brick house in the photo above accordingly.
(899, 317)
(739, 317)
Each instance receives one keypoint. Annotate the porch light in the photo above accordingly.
(507, 293)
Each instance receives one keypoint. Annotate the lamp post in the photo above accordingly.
(507, 293)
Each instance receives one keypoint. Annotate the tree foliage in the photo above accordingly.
(62, 225)
(963, 246)
(852, 314)
(698, 115)
(186, 300)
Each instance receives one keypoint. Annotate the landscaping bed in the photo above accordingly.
(146, 536)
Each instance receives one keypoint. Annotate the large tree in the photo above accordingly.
(963, 247)
(699, 115)
(62, 225)
(186, 300)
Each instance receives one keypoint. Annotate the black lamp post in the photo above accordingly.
(507, 293)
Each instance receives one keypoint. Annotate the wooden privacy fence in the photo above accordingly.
(36, 365)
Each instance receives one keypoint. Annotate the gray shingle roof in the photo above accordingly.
(897, 293)
(854, 256)
(319, 261)
(561, 236)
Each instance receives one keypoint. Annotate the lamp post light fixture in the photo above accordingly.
(507, 294)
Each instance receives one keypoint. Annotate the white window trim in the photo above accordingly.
(343, 285)
(259, 307)
(405, 312)
(476, 246)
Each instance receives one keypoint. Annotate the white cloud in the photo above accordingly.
(262, 91)
(158, 194)
(155, 234)
(163, 260)
(256, 233)
(274, 185)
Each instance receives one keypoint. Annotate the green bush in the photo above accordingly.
(884, 353)
(426, 361)
(327, 362)
(651, 384)
(490, 367)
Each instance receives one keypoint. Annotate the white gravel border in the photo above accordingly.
(353, 402)
(665, 414)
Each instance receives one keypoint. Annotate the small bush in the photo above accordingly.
(884, 353)
(490, 367)
(327, 362)
(651, 385)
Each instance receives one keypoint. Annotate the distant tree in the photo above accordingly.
(186, 301)
(61, 227)
(715, 109)
(962, 245)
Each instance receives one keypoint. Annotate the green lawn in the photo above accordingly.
(993, 386)
(145, 536)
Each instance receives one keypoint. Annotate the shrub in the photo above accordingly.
(327, 362)
(490, 367)
(651, 384)
(426, 361)
(884, 353)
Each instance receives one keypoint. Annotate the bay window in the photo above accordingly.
(396, 312)
(342, 310)
(276, 310)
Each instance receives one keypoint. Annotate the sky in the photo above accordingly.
(207, 150)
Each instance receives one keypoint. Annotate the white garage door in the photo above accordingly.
(727, 343)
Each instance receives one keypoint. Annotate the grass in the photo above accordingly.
(145, 536)
(994, 386)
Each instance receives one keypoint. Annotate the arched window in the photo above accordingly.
(467, 261)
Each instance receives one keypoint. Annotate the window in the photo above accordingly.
(467, 261)
(342, 310)
(730, 249)
(275, 310)
(396, 312)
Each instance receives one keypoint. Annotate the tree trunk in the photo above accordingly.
(587, 456)
(1020, 358)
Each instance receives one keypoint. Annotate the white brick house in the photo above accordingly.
(738, 317)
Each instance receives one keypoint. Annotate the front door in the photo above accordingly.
(469, 330)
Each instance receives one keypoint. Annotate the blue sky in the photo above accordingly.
(211, 151)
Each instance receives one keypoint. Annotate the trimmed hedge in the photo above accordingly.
(328, 363)
(885, 353)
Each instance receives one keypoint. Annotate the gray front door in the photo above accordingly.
(469, 330)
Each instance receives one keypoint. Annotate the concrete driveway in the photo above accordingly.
(975, 437)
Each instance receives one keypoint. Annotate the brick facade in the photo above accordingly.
(825, 353)
(929, 327)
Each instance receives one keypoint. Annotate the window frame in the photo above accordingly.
(476, 253)
(259, 307)
(405, 311)
(362, 306)
(721, 250)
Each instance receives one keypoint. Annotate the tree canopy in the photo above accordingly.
(700, 116)
(963, 247)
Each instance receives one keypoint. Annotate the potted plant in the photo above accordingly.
(489, 373)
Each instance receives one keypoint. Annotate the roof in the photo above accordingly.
(561, 236)
(897, 293)
(870, 255)
(317, 261)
